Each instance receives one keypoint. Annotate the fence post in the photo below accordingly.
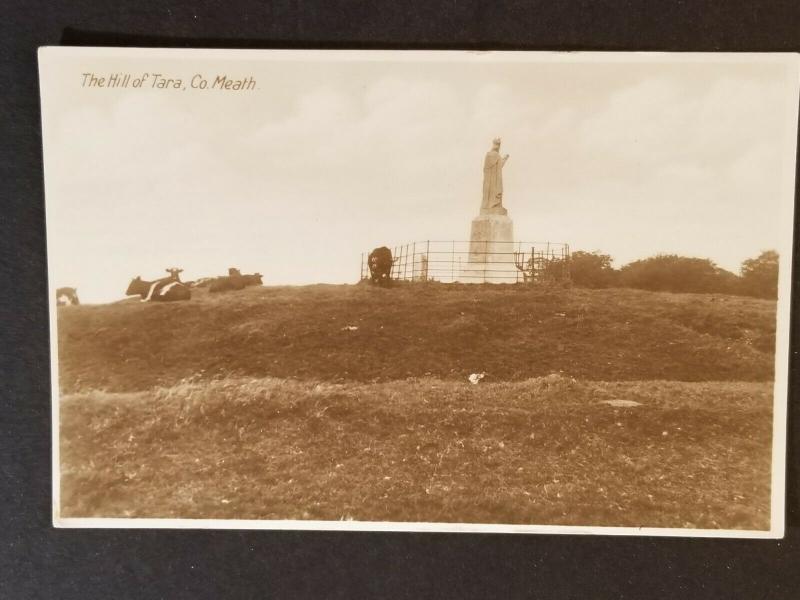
(399, 262)
(453, 262)
(413, 260)
(428, 258)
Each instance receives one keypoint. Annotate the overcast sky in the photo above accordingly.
(327, 159)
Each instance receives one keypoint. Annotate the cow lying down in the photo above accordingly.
(167, 289)
(234, 281)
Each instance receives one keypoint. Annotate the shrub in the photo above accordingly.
(760, 275)
(672, 273)
(592, 269)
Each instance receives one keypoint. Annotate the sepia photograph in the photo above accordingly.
(521, 292)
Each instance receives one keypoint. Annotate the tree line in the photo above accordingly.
(757, 276)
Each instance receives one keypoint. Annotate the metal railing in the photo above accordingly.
(477, 262)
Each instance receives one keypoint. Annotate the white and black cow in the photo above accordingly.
(67, 296)
(167, 289)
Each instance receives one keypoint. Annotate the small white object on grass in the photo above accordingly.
(476, 377)
(621, 402)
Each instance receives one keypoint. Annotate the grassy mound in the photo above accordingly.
(365, 334)
(547, 450)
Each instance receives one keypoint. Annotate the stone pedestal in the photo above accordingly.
(491, 249)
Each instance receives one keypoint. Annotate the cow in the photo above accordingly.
(175, 273)
(166, 289)
(234, 281)
(226, 283)
(380, 265)
(67, 296)
(253, 279)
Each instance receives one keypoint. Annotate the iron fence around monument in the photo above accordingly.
(477, 262)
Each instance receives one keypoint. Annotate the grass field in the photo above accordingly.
(445, 331)
(267, 404)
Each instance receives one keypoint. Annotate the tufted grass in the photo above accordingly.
(545, 450)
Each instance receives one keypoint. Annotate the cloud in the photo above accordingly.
(298, 191)
(666, 120)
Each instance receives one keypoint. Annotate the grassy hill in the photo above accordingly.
(351, 402)
(548, 451)
(447, 331)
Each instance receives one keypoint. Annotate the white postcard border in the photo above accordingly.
(48, 55)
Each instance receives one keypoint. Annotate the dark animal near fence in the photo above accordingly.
(380, 265)
(167, 289)
(67, 296)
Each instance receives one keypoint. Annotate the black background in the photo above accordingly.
(37, 561)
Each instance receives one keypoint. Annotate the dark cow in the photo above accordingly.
(253, 279)
(67, 296)
(234, 281)
(380, 265)
(167, 289)
(226, 284)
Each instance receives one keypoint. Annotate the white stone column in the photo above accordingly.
(491, 248)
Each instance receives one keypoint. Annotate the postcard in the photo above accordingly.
(523, 292)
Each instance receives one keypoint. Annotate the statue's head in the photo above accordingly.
(496, 143)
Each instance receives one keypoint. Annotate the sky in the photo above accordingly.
(330, 157)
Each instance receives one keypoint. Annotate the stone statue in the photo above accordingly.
(491, 238)
(493, 178)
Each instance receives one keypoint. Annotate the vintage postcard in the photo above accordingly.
(420, 291)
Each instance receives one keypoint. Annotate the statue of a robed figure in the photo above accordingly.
(493, 180)
(491, 240)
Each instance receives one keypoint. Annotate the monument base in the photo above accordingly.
(490, 273)
(491, 249)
